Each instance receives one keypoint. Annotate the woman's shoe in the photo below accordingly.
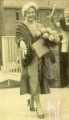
(40, 113)
(31, 105)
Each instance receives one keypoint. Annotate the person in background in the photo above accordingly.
(64, 23)
(27, 33)
(63, 27)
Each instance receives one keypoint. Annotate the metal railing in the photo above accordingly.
(10, 54)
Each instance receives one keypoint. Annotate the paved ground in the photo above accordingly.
(14, 107)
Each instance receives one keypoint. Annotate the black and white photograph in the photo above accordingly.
(34, 59)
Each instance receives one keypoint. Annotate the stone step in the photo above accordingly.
(9, 76)
(9, 84)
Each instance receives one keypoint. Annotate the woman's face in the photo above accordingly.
(31, 14)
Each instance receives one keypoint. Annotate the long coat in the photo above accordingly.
(32, 80)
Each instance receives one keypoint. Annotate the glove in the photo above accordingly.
(23, 49)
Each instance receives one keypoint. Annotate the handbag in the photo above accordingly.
(28, 58)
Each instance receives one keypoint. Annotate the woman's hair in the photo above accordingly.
(27, 6)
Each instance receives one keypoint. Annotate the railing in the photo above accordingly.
(10, 54)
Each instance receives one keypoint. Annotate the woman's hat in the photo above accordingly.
(27, 6)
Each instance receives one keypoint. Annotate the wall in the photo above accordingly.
(40, 3)
(9, 21)
(10, 17)
(1, 28)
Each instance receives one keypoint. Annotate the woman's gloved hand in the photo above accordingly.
(23, 49)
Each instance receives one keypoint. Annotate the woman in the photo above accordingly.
(28, 32)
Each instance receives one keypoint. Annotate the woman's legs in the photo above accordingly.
(39, 110)
(35, 105)
(31, 103)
